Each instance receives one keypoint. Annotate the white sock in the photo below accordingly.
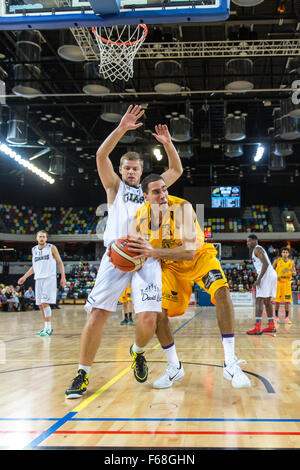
(171, 355)
(228, 345)
(48, 325)
(137, 349)
(85, 368)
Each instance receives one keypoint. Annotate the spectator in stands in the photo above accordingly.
(12, 298)
(29, 297)
(4, 301)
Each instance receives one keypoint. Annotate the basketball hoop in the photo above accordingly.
(118, 47)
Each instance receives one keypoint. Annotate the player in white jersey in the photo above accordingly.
(124, 197)
(44, 259)
(265, 286)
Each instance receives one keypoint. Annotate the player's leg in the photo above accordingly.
(277, 306)
(176, 292)
(101, 301)
(146, 298)
(287, 313)
(269, 311)
(213, 280)
(259, 308)
(174, 370)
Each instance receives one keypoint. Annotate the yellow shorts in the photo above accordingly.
(126, 296)
(283, 292)
(205, 270)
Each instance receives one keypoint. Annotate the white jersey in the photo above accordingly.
(122, 211)
(43, 262)
(268, 284)
(257, 262)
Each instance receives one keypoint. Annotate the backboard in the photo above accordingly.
(59, 14)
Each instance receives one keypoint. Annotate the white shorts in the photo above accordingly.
(111, 282)
(45, 290)
(268, 285)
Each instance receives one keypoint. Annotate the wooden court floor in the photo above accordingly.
(201, 411)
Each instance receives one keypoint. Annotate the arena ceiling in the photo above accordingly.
(62, 119)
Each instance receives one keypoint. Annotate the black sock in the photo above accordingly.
(276, 313)
(126, 316)
(130, 315)
(286, 313)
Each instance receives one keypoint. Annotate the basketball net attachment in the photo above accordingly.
(118, 46)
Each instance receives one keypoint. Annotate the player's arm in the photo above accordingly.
(107, 174)
(293, 269)
(26, 275)
(275, 263)
(175, 169)
(58, 259)
(186, 231)
(260, 254)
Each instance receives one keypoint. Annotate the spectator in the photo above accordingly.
(29, 297)
(4, 300)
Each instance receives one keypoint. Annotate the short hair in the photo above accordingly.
(42, 231)
(252, 236)
(150, 179)
(284, 248)
(133, 156)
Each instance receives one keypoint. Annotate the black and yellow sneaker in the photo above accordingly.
(139, 365)
(78, 386)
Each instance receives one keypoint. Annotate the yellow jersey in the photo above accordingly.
(283, 269)
(167, 232)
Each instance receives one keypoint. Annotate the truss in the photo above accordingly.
(196, 50)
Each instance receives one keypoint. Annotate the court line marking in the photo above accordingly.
(87, 401)
(229, 420)
(82, 405)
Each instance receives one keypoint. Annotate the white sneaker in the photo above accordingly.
(233, 372)
(171, 374)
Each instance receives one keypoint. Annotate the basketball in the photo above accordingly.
(122, 258)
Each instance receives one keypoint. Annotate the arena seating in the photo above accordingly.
(61, 220)
(253, 219)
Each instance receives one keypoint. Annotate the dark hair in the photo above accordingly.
(150, 179)
(252, 236)
(285, 248)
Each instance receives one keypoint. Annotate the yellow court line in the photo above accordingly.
(87, 401)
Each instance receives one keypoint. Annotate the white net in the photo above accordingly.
(118, 46)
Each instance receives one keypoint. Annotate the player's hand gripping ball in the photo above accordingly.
(123, 258)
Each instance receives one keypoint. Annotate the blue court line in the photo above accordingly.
(70, 415)
(50, 431)
(197, 420)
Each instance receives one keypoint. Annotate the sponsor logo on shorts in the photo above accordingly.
(172, 296)
(211, 277)
(151, 292)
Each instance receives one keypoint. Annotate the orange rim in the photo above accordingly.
(129, 43)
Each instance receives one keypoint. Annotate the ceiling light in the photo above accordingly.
(158, 154)
(259, 153)
(25, 163)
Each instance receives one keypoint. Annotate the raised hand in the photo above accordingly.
(130, 118)
(162, 134)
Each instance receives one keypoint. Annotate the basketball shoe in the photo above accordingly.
(287, 320)
(78, 386)
(139, 365)
(270, 328)
(46, 332)
(170, 376)
(233, 372)
(256, 330)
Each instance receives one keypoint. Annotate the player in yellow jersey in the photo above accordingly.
(166, 228)
(127, 307)
(285, 269)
